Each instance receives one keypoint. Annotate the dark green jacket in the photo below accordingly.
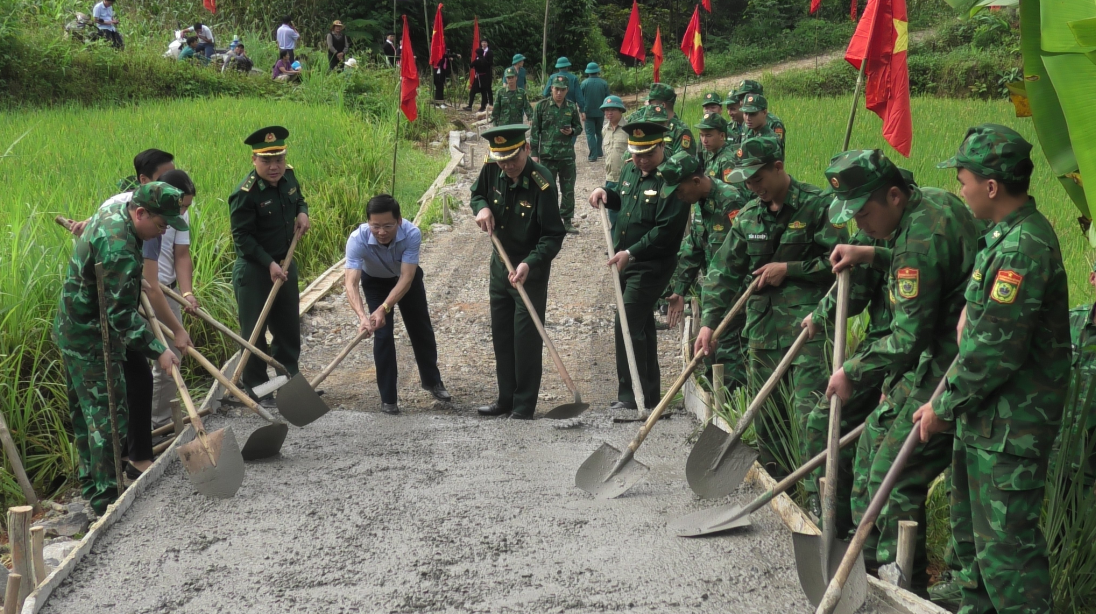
(648, 225)
(511, 107)
(594, 91)
(1007, 393)
(799, 234)
(262, 217)
(548, 119)
(712, 217)
(526, 213)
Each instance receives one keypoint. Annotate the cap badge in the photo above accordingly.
(750, 99)
(499, 140)
(638, 133)
(835, 183)
(738, 153)
(269, 137)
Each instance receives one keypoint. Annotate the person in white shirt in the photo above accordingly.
(205, 38)
(287, 37)
(103, 15)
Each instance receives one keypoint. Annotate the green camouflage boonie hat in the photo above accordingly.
(753, 154)
(613, 102)
(753, 103)
(711, 98)
(676, 170)
(854, 175)
(159, 198)
(656, 113)
(662, 93)
(561, 83)
(992, 150)
(748, 86)
(510, 72)
(713, 121)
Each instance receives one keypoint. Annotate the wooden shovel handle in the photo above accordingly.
(625, 330)
(837, 584)
(536, 320)
(338, 359)
(255, 332)
(195, 419)
(829, 496)
(64, 222)
(244, 343)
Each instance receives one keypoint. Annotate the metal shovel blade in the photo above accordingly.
(711, 477)
(220, 480)
(568, 410)
(268, 387)
(265, 441)
(808, 563)
(595, 475)
(299, 403)
(711, 520)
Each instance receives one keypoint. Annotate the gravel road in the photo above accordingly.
(438, 510)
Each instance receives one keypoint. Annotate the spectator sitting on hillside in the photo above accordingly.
(238, 59)
(205, 38)
(103, 15)
(190, 51)
(283, 69)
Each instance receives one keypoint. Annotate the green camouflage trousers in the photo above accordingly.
(563, 172)
(853, 414)
(732, 354)
(996, 499)
(797, 394)
(90, 412)
(888, 427)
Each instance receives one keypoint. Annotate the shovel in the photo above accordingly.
(723, 518)
(213, 462)
(608, 472)
(850, 569)
(567, 410)
(717, 463)
(302, 406)
(829, 497)
(625, 330)
(265, 441)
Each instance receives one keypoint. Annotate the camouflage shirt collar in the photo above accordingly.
(915, 201)
(1005, 226)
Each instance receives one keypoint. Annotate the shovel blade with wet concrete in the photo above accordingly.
(265, 441)
(716, 467)
(607, 475)
(808, 564)
(299, 403)
(568, 410)
(710, 521)
(222, 479)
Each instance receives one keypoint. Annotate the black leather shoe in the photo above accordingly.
(618, 405)
(492, 410)
(391, 409)
(520, 417)
(439, 392)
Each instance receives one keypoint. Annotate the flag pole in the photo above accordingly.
(395, 150)
(855, 100)
(685, 94)
(635, 66)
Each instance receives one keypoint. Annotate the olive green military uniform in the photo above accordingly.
(1006, 393)
(528, 225)
(263, 218)
(574, 92)
(678, 137)
(511, 106)
(110, 238)
(555, 150)
(927, 269)
(720, 163)
(800, 234)
(712, 218)
(650, 226)
(1082, 333)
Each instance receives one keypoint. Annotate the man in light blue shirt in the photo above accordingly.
(103, 15)
(382, 256)
(287, 36)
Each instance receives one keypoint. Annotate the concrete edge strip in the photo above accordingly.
(320, 287)
(698, 404)
(455, 156)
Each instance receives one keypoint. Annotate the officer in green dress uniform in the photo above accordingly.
(515, 199)
(265, 211)
(648, 232)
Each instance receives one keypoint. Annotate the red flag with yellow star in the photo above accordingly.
(409, 76)
(656, 50)
(632, 46)
(881, 39)
(691, 44)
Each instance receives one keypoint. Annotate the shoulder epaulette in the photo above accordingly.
(487, 159)
(288, 167)
(249, 182)
(541, 180)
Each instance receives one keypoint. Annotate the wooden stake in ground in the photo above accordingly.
(37, 542)
(19, 539)
(12, 453)
(12, 603)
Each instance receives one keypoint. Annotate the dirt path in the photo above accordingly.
(438, 510)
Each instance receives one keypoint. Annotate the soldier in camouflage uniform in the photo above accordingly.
(783, 238)
(646, 237)
(715, 205)
(712, 102)
(756, 110)
(113, 237)
(511, 103)
(678, 137)
(556, 121)
(515, 199)
(718, 156)
(1006, 394)
(736, 121)
(1082, 333)
(927, 268)
(747, 87)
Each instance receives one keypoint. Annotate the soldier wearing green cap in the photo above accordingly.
(647, 235)
(266, 210)
(712, 102)
(736, 121)
(755, 108)
(1082, 333)
(574, 92)
(594, 91)
(113, 237)
(927, 267)
(782, 238)
(1006, 394)
(511, 103)
(515, 199)
(718, 157)
(679, 137)
(715, 205)
(614, 143)
(556, 123)
(518, 64)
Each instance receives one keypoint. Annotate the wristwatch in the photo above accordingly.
(630, 256)
(387, 309)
